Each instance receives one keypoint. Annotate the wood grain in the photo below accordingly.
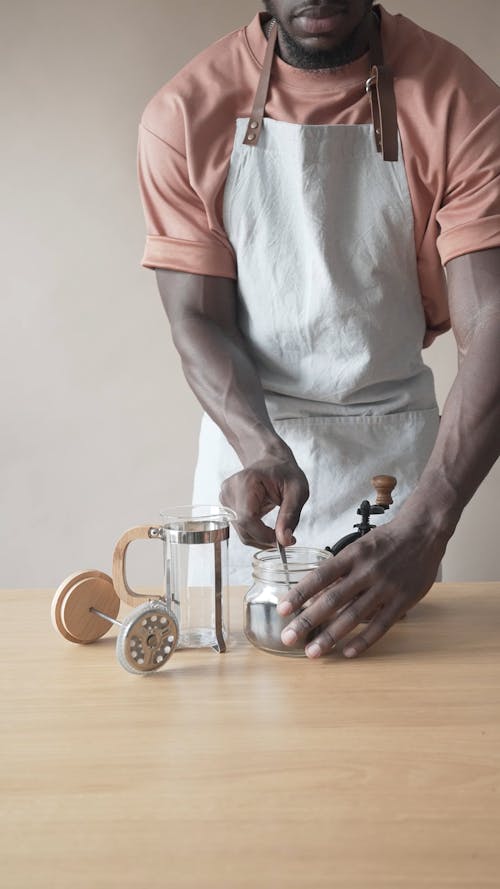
(246, 770)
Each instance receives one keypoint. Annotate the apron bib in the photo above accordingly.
(330, 306)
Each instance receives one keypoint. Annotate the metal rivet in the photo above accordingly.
(250, 137)
(254, 124)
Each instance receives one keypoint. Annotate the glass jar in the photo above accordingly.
(261, 622)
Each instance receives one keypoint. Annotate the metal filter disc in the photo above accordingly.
(148, 638)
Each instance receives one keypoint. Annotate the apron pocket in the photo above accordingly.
(339, 456)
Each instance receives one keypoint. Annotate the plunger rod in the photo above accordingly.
(106, 617)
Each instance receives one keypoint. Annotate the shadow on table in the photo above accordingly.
(441, 628)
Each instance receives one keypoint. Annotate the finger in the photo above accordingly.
(324, 607)
(289, 513)
(254, 532)
(246, 497)
(320, 578)
(249, 504)
(286, 538)
(344, 624)
(378, 627)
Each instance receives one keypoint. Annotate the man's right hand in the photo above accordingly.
(203, 313)
(254, 491)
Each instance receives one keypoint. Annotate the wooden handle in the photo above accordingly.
(384, 486)
(126, 594)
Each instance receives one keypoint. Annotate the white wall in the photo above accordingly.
(98, 426)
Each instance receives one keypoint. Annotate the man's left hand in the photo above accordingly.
(377, 578)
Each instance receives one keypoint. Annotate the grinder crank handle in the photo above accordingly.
(384, 486)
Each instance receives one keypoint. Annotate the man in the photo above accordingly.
(306, 181)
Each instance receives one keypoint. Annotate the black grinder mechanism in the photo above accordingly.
(384, 486)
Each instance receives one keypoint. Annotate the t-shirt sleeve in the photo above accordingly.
(179, 235)
(469, 216)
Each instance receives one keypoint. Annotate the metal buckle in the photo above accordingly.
(370, 83)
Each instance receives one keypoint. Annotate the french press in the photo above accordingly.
(191, 612)
(195, 548)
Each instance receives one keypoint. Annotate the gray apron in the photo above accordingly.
(330, 306)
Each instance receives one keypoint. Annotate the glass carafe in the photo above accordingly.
(196, 573)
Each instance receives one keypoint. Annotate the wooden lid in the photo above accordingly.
(70, 612)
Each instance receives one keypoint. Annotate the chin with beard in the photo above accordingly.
(300, 56)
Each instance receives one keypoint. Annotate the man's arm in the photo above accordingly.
(469, 437)
(202, 315)
(394, 566)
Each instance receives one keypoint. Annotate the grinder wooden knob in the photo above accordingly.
(384, 486)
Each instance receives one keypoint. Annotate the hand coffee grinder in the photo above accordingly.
(384, 486)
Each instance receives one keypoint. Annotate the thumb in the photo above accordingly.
(288, 517)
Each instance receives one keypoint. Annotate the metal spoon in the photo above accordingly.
(284, 562)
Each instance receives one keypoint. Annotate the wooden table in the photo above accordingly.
(249, 771)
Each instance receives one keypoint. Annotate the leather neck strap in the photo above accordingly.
(259, 103)
(380, 86)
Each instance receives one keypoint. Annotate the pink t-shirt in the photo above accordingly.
(449, 123)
